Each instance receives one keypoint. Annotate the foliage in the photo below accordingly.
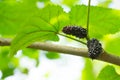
(105, 3)
(26, 23)
(44, 26)
(100, 24)
(52, 22)
(88, 72)
(70, 2)
(52, 55)
(112, 41)
(7, 65)
(108, 73)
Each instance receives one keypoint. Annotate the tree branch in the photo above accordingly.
(106, 57)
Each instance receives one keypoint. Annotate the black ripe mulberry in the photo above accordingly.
(94, 48)
(75, 31)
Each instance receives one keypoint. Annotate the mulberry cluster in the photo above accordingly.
(94, 48)
(75, 31)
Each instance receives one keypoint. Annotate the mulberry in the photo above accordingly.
(94, 48)
(75, 31)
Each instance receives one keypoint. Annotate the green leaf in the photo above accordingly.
(44, 0)
(50, 20)
(24, 70)
(102, 20)
(105, 3)
(52, 55)
(87, 73)
(5, 60)
(7, 65)
(7, 72)
(26, 38)
(108, 73)
(42, 27)
(14, 14)
(54, 16)
(112, 42)
(70, 2)
(31, 53)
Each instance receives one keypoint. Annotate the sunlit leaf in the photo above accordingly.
(87, 73)
(44, 0)
(52, 55)
(7, 72)
(42, 27)
(105, 3)
(108, 73)
(112, 42)
(25, 71)
(15, 14)
(7, 65)
(70, 2)
(102, 20)
(31, 53)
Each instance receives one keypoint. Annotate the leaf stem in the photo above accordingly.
(88, 18)
(72, 38)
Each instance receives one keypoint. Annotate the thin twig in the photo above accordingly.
(106, 57)
(72, 38)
